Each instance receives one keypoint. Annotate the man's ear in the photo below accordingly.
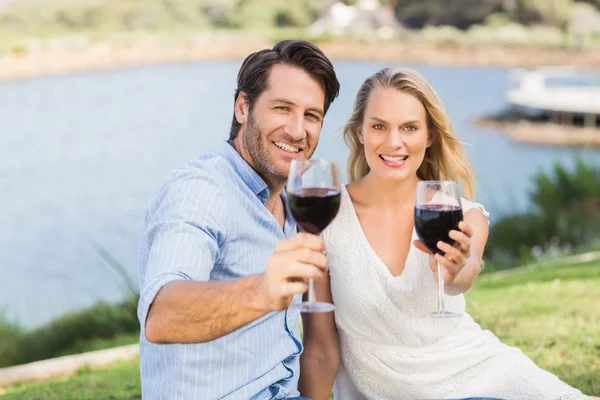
(241, 108)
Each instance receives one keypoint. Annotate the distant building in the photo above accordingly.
(367, 17)
(585, 21)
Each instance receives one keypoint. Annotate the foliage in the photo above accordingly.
(70, 333)
(565, 216)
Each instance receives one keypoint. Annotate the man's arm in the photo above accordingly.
(191, 311)
(186, 227)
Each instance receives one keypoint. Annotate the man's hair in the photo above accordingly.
(253, 76)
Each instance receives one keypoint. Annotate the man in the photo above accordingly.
(220, 259)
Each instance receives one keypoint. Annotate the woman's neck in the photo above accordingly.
(387, 193)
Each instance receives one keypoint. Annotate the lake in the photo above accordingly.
(81, 154)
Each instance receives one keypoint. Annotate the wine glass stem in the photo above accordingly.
(440, 287)
(311, 291)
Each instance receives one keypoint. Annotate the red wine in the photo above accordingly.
(433, 222)
(314, 208)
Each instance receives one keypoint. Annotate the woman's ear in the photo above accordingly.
(430, 140)
(359, 135)
(241, 108)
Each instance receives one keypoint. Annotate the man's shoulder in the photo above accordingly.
(208, 169)
(203, 177)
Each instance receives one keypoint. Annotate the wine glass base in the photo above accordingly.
(313, 307)
(445, 314)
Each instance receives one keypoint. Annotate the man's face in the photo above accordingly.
(285, 123)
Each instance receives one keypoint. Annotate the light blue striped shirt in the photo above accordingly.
(209, 222)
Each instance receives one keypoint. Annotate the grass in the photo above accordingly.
(121, 382)
(83, 346)
(550, 313)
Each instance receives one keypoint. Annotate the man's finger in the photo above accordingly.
(300, 270)
(301, 240)
(280, 261)
(307, 256)
(287, 289)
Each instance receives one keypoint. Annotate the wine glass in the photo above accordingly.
(437, 212)
(313, 194)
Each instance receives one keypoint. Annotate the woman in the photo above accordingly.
(382, 278)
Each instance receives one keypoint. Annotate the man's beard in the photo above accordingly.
(257, 146)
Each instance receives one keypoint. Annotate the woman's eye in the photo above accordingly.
(378, 126)
(410, 128)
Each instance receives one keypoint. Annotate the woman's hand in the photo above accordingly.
(455, 257)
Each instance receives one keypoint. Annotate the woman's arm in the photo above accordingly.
(321, 357)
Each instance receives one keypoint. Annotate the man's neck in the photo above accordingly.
(273, 202)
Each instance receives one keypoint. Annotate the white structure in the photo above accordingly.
(367, 16)
(558, 91)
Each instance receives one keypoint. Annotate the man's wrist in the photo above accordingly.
(255, 294)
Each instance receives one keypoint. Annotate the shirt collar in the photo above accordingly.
(245, 171)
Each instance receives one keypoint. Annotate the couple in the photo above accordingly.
(221, 259)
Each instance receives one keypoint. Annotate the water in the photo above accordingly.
(81, 154)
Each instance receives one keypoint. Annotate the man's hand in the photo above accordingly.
(295, 260)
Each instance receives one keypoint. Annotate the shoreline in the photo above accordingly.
(546, 133)
(65, 366)
(103, 56)
(109, 56)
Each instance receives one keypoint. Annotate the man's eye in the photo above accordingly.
(314, 116)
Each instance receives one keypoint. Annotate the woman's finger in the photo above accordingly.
(462, 240)
(466, 228)
(421, 246)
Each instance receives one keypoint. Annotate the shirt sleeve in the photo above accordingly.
(468, 205)
(182, 235)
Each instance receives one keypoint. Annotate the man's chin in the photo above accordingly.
(280, 168)
(276, 174)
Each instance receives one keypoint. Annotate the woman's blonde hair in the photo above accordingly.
(445, 159)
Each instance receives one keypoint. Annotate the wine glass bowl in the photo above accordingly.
(313, 196)
(438, 211)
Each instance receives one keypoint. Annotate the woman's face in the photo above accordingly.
(394, 132)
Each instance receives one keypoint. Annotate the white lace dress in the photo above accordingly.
(391, 350)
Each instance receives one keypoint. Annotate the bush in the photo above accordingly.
(552, 12)
(258, 15)
(565, 216)
(461, 14)
(101, 321)
(8, 338)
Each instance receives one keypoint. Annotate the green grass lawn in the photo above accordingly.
(122, 382)
(550, 313)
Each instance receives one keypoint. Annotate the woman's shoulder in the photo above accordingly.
(468, 205)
